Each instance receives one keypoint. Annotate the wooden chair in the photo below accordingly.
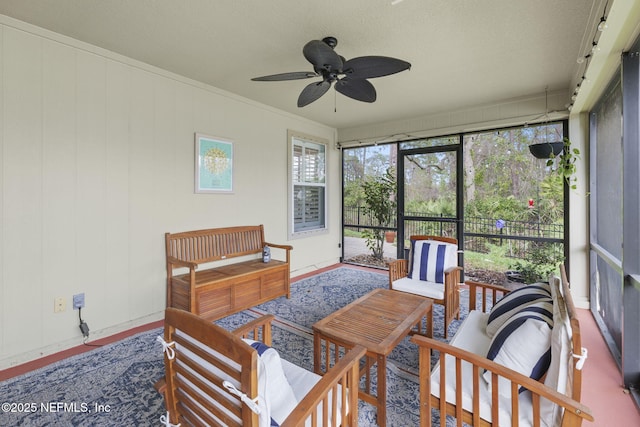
(211, 378)
(442, 290)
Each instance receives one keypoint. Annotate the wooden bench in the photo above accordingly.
(467, 385)
(221, 290)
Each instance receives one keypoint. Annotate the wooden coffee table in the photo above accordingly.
(378, 321)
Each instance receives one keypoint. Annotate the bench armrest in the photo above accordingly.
(343, 375)
(181, 263)
(397, 270)
(258, 329)
(496, 292)
(572, 408)
(287, 248)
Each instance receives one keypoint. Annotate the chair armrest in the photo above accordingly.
(345, 372)
(181, 263)
(397, 270)
(495, 290)
(258, 329)
(538, 389)
(161, 387)
(452, 279)
(453, 269)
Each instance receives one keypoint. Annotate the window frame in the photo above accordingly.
(299, 139)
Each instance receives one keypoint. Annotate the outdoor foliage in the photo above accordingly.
(379, 198)
(566, 163)
(541, 262)
(502, 181)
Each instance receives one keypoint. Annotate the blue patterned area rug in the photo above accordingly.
(113, 385)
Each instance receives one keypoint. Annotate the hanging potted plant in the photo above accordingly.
(566, 163)
(546, 150)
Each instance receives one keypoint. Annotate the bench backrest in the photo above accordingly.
(215, 243)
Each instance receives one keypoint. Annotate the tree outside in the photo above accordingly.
(503, 185)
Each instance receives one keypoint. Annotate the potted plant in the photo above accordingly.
(566, 164)
(546, 150)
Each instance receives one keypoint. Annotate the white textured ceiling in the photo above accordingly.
(463, 52)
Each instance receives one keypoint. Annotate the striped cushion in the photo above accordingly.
(523, 343)
(430, 259)
(513, 302)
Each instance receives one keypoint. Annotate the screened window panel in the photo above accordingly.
(609, 171)
(608, 296)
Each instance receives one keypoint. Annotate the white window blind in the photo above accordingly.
(307, 189)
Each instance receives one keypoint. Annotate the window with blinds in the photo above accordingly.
(307, 190)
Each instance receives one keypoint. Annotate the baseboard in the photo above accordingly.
(29, 361)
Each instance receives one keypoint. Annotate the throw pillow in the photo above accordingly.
(513, 302)
(430, 259)
(523, 344)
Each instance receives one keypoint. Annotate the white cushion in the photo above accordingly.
(419, 287)
(523, 343)
(513, 302)
(302, 381)
(561, 355)
(430, 259)
(471, 337)
(278, 392)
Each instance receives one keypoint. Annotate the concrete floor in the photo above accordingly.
(354, 246)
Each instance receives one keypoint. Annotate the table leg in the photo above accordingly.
(382, 390)
(317, 353)
(430, 322)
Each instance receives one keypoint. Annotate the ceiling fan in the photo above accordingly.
(350, 76)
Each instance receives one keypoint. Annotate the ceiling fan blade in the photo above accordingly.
(368, 67)
(296, 75)
(322, 56)
(313, 92)
(358, 89)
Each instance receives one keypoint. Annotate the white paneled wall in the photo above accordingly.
(97, 163)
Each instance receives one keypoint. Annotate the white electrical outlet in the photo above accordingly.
(78, 301)
(59, 305)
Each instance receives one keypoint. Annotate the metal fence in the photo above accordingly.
(517, 238)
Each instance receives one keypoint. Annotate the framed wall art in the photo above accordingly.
(214, 164)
